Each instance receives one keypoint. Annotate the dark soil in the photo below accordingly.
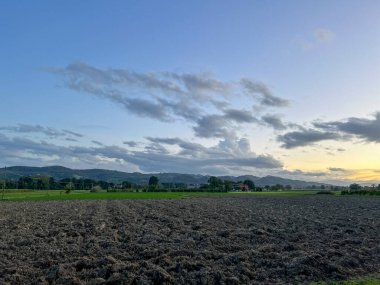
(194, 241)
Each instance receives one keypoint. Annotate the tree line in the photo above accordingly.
(41, 182)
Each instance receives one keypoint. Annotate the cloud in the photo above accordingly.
(97, 143)
(38, 129)
(224, 125)
(337, 169)
(154, 157)
(240, 116)
(366, 129)
(266, 97)
(171, 96)
(130, 143)
(274, 121)
(214, 126)
(146, 108)
(187, 147)
(323, 35)
(201, 83)
(305, 137)
(301, 173)
(73, 133)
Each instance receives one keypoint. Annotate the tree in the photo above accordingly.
(126, 185)
(215, 182)
(228, 185)
(250, 184)
(277, 187)
(153, 182)
(355, 186)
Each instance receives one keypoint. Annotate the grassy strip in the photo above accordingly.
(53, 195)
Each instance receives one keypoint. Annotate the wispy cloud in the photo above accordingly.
(38, 129)
(199, 99)
(265, 96)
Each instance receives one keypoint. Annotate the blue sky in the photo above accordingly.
(288, 88)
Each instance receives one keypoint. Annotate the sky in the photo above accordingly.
(286, 88)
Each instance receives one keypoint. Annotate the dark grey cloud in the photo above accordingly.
(130, 143)
(337, 169)
(239, 116)
(256, 88)
(274, 121)
(146, 108)
(366, 129)
(305, 137)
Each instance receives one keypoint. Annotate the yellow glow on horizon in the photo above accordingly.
(362, 161)
(365, 175)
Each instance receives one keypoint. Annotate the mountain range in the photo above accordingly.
(60, 172)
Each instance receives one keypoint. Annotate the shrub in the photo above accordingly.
(371, 192)
(96, 189)
(69, 187)
(325, 192)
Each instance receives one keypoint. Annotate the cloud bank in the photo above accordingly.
(152, 155)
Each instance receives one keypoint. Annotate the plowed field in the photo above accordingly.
(236, 240)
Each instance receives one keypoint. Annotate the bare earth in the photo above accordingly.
(268, 240)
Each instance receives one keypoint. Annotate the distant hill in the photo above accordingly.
(60, 172)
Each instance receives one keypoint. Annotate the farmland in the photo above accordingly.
(210, 239)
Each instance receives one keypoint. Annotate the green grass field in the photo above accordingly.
(44, 195)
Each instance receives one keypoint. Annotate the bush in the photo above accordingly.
(325, 192)
(96, 189)
(371, 192)
(69, 187)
